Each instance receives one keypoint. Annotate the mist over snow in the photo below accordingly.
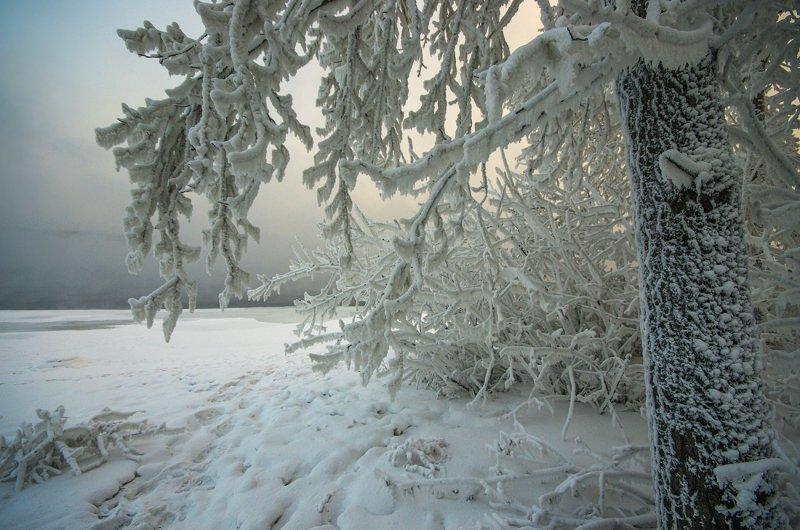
(62, 203)
(59, 269)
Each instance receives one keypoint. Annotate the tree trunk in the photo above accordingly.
(705, 400)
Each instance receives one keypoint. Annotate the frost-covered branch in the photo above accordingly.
(49, 448)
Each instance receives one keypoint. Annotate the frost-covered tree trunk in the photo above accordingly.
(706, 405)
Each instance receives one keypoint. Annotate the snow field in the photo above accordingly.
(267, 442)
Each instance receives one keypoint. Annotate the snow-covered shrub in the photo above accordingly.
(46, 448)
(551, 302)
(584, 490)
(417, 455)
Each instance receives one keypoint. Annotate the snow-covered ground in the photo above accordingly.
(264, 441)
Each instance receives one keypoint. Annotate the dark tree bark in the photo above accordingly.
(706, 405)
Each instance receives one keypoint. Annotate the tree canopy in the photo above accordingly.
(504, 262)
(521, 269)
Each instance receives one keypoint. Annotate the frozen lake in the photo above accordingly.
(89, 359)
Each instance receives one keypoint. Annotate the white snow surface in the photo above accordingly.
(266, 442)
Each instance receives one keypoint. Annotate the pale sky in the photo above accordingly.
(63, 72)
